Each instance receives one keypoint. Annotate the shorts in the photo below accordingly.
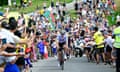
(54, 50)
(60, 49)
(99, 50)
(108, 49)
(62, 44)
(114, 54)
(20, 61)
(88, 49)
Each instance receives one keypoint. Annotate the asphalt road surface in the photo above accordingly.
(72, 65)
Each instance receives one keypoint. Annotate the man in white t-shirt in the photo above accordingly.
(11, 39)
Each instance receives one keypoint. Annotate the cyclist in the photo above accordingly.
(62, 44)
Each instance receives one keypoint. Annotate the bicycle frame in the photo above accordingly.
(61, 59)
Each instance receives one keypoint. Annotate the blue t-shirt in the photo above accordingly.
(40, 45)
(1, 13)
(11, 68)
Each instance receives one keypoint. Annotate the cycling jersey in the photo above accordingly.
(62, 39)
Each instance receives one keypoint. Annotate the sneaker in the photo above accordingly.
(31, 65)
(105, 63)
(97, 63)
(65, 57)
(58, 64)
(56, 57)
(114, 64)
(109, 62)
(70, 57)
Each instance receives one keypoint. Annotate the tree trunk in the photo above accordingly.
(9, 2)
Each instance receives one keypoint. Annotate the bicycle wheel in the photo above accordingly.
(62, 61)
(62, 66)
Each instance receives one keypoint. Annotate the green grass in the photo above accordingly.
(118, 5)
(35, 3)
(72, 13)
(110, 20)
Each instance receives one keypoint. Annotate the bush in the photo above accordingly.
(112, 18)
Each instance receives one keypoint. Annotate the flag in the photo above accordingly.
(47, 14)
(45, 52)
(52, 24)
(52, 17)
(34, 52)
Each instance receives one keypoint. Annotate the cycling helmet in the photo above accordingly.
(62, 32)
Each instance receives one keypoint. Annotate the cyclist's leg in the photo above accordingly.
(70, 51)
(66, 50)
(59, 54)
(59, 51)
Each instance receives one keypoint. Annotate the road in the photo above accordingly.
(72, 65)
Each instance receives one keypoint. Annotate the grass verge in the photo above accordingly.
(35, 3)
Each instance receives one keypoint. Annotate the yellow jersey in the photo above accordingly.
(98, 37)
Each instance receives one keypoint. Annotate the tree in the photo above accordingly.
(3, 2)
(9, 2)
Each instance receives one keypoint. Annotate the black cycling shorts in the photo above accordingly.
(61, 46)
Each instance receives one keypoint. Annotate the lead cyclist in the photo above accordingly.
(62, 44)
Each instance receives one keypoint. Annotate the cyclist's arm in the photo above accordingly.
(57, 41)
(66, 38)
